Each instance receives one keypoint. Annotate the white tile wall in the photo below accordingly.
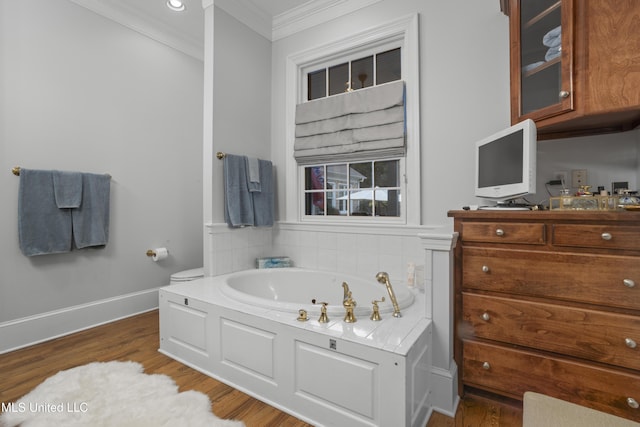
(357, 250)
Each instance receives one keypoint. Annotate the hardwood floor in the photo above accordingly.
(136, 338)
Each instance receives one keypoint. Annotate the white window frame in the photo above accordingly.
(404, 31)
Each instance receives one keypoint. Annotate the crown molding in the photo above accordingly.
(313, 13)
(300, 18)
(157, 30)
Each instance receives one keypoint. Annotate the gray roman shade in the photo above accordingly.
(363, 124)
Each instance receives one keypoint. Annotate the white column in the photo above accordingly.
(207, 140)
(438, 283)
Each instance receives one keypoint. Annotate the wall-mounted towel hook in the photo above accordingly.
(220, 155)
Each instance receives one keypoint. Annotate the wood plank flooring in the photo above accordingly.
(137, 338)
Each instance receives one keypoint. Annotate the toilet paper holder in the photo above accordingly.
(158, 252)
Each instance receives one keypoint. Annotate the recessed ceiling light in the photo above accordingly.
(176, 5)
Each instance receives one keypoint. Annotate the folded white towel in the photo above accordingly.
(553, 38)
(553, 53)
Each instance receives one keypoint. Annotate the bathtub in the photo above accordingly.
(292, 289)
(242, 329)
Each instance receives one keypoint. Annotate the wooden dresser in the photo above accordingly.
(549, 302)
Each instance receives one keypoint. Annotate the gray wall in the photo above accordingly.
(464, 96)
(464, 88)
(80, 92)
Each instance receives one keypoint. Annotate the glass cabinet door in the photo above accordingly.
(542, 45)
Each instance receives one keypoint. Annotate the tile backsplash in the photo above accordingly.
(357, 250)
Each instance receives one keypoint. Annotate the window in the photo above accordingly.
(373, 188)
(369, 188)
(357, 74)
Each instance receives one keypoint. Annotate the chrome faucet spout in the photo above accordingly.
(383, 278)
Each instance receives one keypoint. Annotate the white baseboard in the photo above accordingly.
(19, 333)
(445, 390)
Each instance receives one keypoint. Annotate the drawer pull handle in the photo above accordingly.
(485, 269)
(629, 283)
(632, 403)
(486, 317)
(486, 367)
(606, 236)
(630, 343)
(500, 232)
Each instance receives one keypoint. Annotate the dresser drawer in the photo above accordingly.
(511, 372)
(596, 279)
(508, 232)
(597, 236)
(595, 335)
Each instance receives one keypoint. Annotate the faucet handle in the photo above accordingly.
(323, 311)
(375, 315)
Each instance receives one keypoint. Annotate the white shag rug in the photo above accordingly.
(111, 394)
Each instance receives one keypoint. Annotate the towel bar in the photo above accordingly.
(16, 171)
(220, 155)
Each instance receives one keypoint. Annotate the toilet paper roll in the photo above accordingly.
(159, 254)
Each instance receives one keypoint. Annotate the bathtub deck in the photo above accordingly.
(395, 335)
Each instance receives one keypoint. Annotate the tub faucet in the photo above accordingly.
(383, 278)
(349, 304)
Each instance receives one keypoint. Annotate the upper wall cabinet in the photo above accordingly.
(575, 65)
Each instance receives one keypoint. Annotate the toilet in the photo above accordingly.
(186, 275)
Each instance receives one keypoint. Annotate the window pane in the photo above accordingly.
(387, 173)
(388, 204)
(314, 203)
(388, 68)
(317, 84)
(361, 175)
(361, 203)
(337, 203)
(337, 176)
(314, 178)
(338, 78)
(362, 73)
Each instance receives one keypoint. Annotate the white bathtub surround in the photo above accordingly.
(438, 245)
(362, 250)
(335, 374)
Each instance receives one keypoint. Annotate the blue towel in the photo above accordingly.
(238, 202)
(91, 220)
(253, 174)
(67, 187)
(263, 201)
(43, 228)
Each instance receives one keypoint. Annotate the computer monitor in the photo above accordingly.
(506, 163)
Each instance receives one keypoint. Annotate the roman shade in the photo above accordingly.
(360, 125)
